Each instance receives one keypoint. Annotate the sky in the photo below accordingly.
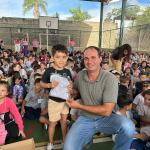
(13, 8)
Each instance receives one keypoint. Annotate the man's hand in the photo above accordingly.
(73, 104)
(70, 87)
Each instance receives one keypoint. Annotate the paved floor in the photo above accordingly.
(104, 143)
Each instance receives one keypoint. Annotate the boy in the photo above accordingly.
(56, 78)
(32, 106)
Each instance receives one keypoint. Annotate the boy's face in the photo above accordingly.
(147, 100)
(60, 60)
(17, 81)
(38, 86)
(143, 77)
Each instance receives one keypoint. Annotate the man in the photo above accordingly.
(98, 90)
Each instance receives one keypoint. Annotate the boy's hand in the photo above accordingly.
(73, 104)
(54, 84)
(22, 111)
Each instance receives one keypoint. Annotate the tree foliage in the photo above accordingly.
(131, 12)
(36, 5)
(143, 18)
(78, 14)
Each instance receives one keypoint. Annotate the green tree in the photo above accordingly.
(131, 12)
(78, 14)
(143, 18)
(36, 5)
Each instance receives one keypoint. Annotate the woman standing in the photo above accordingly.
(118, 56)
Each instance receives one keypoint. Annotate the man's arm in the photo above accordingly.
(101, 110)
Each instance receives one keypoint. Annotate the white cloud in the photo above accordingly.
(95, 14)
(64, 16)
(114, 1)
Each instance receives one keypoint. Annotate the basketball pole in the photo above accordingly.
(47, 38)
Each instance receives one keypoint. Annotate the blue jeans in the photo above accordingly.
(84, 128)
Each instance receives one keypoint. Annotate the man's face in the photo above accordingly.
(92, 60)
(60, 60)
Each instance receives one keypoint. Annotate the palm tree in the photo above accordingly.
(35, 5)
(78, 14)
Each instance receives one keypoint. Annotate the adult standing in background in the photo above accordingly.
(98, 90)
(1, 44)
(25, 46)
(118, 56)
(17, 43)
(35, 45)
(72, 44)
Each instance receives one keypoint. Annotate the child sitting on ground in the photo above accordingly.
(144, 113)
(17, 90)
(144, 136)
(31, 106)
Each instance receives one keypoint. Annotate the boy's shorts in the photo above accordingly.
(56, 109)
(31, 113)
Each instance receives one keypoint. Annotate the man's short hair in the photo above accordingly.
(94, 47)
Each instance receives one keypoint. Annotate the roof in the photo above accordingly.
(97, 0)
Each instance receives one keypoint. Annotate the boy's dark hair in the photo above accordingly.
(38, 80)
(143, 73)
(94, 47)
(59, 48)
(147, 92)
(16, 75)
(145, 84)
(37, 75)
(124, 79)
(123, 100)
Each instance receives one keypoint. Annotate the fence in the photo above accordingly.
(137, 36)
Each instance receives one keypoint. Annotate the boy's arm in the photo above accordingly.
(144, 121)
(22, 108)
(45, 85)
(53, 84)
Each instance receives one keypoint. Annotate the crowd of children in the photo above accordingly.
(41, 82)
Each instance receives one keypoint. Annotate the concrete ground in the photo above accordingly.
(59, 146)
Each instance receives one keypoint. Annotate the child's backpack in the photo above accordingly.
(3, 132)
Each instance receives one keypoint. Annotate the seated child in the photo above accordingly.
(17, 90)
(9, 115)
(144, 113)
(144, 136)
(139, 99)
(31, 106)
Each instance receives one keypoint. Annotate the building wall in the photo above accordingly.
(84, 33)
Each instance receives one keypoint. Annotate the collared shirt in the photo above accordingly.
(103, 90)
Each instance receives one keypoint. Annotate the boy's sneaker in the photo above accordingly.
(50, 146)
(45, 126)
